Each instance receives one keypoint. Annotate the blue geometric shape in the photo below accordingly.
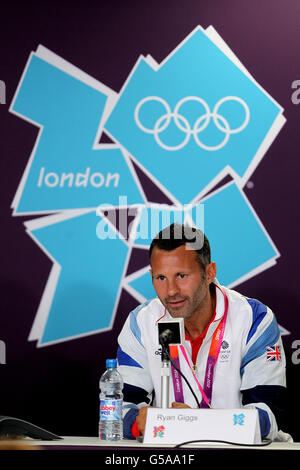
(238, 242)
(89, 281)
(222, 110)
(143, 285)
(66, 172)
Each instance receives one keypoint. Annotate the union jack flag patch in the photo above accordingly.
(273, 353)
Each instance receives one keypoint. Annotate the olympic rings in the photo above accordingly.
(183, 125)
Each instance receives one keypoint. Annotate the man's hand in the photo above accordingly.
(175, 404)
(141, 419)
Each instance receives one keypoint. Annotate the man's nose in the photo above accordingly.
(172, 288)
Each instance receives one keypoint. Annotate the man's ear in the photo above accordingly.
(211, 271)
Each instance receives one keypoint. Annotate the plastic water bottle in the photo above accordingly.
(111, 401)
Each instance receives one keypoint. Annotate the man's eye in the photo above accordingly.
(160, 278)
(182, 275)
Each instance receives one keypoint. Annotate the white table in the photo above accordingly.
(81, 441)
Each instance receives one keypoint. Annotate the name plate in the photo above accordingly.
(178, 425)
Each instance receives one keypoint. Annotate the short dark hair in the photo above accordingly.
(177, 235)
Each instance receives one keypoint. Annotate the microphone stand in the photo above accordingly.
(165, 376)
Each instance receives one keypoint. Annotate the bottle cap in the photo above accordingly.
(111, 363)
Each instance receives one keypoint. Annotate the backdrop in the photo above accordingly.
(117, 118)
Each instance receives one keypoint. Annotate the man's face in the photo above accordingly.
(178, 280)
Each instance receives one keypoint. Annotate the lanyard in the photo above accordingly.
(213, 354)
(177, 380)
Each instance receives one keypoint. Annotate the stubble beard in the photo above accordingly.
(192, 304)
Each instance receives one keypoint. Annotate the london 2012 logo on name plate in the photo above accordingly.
(238, 419)
(197, 137)
(159, 431)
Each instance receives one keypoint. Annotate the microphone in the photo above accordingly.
(170, 331)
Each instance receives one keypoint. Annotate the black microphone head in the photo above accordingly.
(165, 337)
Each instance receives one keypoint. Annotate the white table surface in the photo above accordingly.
(75, 441)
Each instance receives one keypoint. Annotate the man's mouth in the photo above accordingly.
(176, 303)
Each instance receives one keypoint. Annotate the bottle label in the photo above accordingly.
(111, 410)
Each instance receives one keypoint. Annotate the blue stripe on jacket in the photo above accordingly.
(125, 360)
(133, 321)
(259, 312)
(268, 338)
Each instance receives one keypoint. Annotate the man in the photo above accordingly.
(230, 338)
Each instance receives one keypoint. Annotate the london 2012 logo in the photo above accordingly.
(159, 431)
(194, 126)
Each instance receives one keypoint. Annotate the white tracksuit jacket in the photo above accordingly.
(247, 373)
